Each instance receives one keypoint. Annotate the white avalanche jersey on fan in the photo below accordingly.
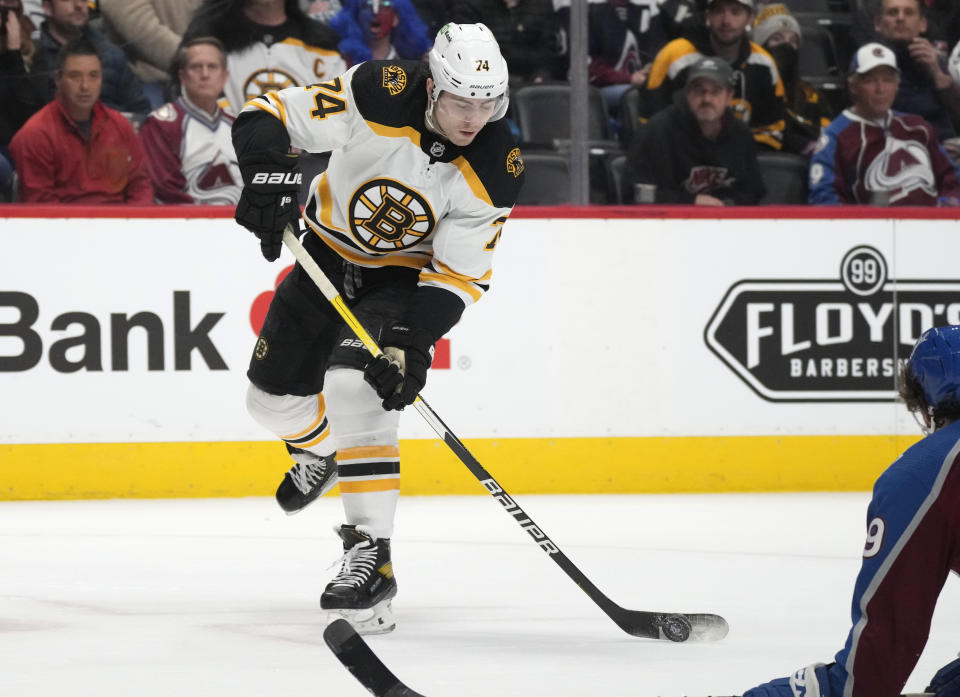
(259, 68)
(395, 194)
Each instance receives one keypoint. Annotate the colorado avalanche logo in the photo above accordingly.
(267, 80)
(394, 79)
(386, 216)
(903, 167)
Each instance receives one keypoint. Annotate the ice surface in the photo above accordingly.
(219, 597)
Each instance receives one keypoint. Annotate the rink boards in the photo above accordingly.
(613, 354)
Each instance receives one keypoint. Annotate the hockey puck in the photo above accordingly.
(676, 627)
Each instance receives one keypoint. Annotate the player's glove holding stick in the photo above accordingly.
(401, 372)
(268, 202)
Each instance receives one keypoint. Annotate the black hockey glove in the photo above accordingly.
(268, 202)
(946, 683)
(401, 372)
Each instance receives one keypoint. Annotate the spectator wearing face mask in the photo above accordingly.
(776, 30)
(380, 30)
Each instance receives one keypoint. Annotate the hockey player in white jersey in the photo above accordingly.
(422, 176)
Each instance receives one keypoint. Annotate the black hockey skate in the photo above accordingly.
(310, 478)
(362, 591)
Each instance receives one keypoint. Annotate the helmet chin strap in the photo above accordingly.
(428, 118)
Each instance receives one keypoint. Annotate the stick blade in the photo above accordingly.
(357, 656)
(676, 627)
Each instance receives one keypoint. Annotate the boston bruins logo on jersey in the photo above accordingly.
(515, 162)
(267, 80)
(387, 216)
(394, 79)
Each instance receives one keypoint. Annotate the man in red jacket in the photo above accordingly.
(75, 149)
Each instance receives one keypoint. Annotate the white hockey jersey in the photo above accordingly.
(396, 194)
(260, 68)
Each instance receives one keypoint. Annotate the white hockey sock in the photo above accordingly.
(298, 421)
(368, 452)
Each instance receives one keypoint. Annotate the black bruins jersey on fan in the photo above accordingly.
(394, 193)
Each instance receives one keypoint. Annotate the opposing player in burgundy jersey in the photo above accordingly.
(912, 545)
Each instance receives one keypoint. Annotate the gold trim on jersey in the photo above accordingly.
(325, 203)
(272, 96)
(313, 49)
(395, 132)
(670, 53)
(364, 260)
(427, 277)
(260, 104)
(473, 181)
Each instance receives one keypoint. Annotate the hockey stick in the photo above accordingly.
(354, 653)
(651, 625)
(357, 656)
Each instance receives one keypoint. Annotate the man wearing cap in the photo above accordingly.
(871, 154)
(779, 33)
(757, 88)
(696, 151)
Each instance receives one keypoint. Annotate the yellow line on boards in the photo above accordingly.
(521, 465)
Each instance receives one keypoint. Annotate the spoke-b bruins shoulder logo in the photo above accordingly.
(394, 79)
(267, 80)
(515, 162)
(387, 216)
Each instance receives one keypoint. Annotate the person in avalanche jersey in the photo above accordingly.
(422, 177)
(871, 154)
(912, 544)
(187, 142)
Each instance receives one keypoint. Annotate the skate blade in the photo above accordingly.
(378, 619)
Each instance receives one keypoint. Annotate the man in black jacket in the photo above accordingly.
(696, 151)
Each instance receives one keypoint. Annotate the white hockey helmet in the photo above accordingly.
(465, 60)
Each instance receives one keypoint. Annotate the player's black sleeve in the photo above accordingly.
(434, 310)
(256, 131)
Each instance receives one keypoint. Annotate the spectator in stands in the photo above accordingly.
(525, 29)
(695, 150)
(926, 88)
(270, 44)
(621, 44)
(380, 30)
(779, 33)
(758, 91)
(150, 32)
(943, 22)
(21, 90)
(187, 142)
(871, 154)
(70, 19)
(75, 149)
